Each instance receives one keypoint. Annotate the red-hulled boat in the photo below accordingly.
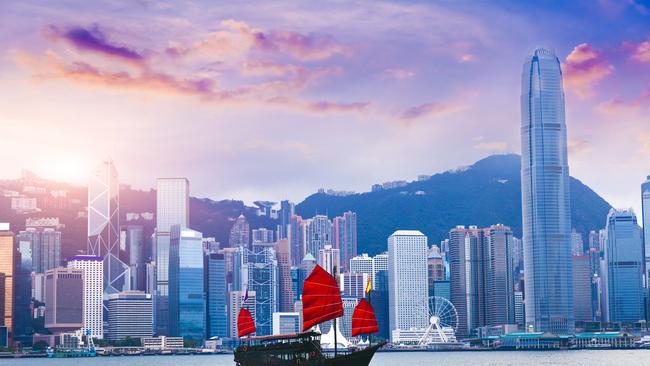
(321, 301)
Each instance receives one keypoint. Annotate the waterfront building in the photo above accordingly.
(582, 286)
(130, 314)
(104, 226)
(498, 276)
(546, 206)
(286, 323)
(45, 245)
(172, 208)
(236, 301)
(408, 280)
(93, 289)
(379, 299)
(345, 323)
(259, 273)
(623, 258)
(520, 314)
(285, 282)
(64, 296)
(162, 343)
(22, 312)
(186, 290)
(645, 222)
(217, 294)
(7, 267)
(240, 233)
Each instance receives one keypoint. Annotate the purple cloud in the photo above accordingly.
(93, 40)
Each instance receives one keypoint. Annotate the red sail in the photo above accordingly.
(245, 323)
(321, 298)
(363, 319)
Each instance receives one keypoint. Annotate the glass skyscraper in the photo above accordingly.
(546, 211)
(172, 208)
(186, 290)
(645, 221)
(623, 257)
(217, 291)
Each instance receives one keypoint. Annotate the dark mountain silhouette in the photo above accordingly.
(486, 193)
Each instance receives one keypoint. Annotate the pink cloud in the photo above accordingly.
(641, 52)
(583, 69)
(397, 74)
(431, 109)
(617, 105)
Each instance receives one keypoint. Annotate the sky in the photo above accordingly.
(273, 100)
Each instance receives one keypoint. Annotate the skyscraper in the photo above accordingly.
(408, 283)
(64, 296)
(7, 265)
(186, 291)
(645, 221)
(546, 211)
(23, 293)
(262, 235)
(236, 301)
(132, 245)
(582, 283)
(217, 292)
(318, 233)
(259, 273)
(329, 258)
(130, 314)
(296, 240)
(240, 233)
(287, 210)
(284, 276)
(623, 258)
(172, 208)
(104, 226)
(93, 285)
(498, 274)
(45, 244)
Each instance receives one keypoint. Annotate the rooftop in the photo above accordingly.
(407, 233)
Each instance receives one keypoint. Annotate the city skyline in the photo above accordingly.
(313, 78)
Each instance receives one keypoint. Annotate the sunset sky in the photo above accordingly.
(273, 100)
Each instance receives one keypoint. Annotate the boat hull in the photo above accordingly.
(260, 358)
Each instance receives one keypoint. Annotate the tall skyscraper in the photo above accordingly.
(217, 293)
(262, 235)
(259, 273)
(23, 293)
(186, 291)
(546, 211)
(498, 275)
(287, 210)
(623, 258)
(408, 283)
(64, 296)
(296, 240)
(7, 266)
(284, 276)
(240, 233)
(318, 233)
(645, 221)
(45, 244)
(172, 208)
(306, 266)
(93, 285)
(132, 245)
(130, 314)
(582, 283)
(104, 226)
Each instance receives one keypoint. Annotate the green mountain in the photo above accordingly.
(483, 194)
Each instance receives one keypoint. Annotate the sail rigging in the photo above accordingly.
(364, 320)
(245, 323)
(321, 298)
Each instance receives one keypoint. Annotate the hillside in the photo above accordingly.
(485, 193)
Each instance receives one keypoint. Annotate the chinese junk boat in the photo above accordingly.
(321, 302)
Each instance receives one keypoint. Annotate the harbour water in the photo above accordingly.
(489, 358)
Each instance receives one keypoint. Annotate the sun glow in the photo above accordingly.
(70, 169)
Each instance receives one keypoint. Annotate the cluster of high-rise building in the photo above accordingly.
(178, 283)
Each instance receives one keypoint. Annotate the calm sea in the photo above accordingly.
(572, 358)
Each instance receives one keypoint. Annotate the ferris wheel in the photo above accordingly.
(443, 321)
